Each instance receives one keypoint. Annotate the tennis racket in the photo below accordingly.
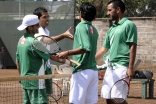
(119, 100)
(123, 80)
(54, 47)
(56, 94)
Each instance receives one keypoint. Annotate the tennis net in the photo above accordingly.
(11, 91)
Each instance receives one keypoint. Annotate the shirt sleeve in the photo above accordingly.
(43, 55)
(17, 56)
(131, 32)
(106, 42)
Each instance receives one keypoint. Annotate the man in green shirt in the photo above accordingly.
(29, 61)
(84, 80)
(121, 40)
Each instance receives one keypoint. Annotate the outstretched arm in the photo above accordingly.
(100, 53)
(65, 54)
(66, 34)
(60, 60)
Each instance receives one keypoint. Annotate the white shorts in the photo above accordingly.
(120, 89)
(84, 87)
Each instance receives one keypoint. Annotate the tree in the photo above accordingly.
(101, 8)
(99, 4)
(77, 5)
(140, 8)
(134, 8)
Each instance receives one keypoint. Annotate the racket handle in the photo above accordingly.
(73, 61)
(137, 63)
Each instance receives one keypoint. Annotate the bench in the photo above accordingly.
(150, 83)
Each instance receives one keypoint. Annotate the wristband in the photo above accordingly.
(67, 62)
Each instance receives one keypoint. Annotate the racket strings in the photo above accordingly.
(56, 94)
(119, 100)
(54, 48)
(51, 47)
(40, 46)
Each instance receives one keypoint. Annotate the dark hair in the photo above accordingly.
(118, 3)
(88, 11)
(38, 11)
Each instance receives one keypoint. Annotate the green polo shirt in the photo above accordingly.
(85, 38)
(117, 41)
(30, 60)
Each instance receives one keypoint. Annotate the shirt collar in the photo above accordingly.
(43, 31)
(120, 22)
(86, 22)
(28, 35)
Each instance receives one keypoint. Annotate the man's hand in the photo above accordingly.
(67, 34)
(130, 73)
(62, 54)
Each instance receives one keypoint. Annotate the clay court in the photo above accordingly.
(133, 98)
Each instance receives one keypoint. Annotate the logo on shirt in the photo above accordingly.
(91, 30)
(23, 41)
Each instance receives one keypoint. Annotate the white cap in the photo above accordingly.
(28, 20)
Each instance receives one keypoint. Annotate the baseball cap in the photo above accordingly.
(28, 20)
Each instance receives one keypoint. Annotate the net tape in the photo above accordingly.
(34, 77)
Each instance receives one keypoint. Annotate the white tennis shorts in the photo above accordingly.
(84, 87)
(120, 89)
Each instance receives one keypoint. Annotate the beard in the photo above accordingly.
(114, 17)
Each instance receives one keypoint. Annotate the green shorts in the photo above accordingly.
(37, 96)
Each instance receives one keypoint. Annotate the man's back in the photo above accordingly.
(86, 37)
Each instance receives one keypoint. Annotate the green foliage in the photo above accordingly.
(80, 1)
(99, 4)
(101, 8)
(134, 8)
(138, 8)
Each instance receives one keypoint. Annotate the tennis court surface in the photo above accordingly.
(11, 91)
